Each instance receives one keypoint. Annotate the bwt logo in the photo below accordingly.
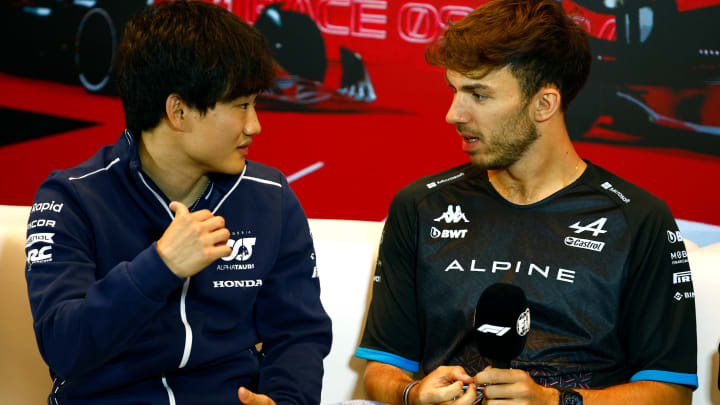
(453, 215)
(495, 330)
(242, 249)
(674, 236)
(447, 233)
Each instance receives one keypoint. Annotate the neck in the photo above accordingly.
(175, 178)
(548, 167)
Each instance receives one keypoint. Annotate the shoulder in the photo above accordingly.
(638, 203)
(81, 176)
(438, 182)
(264, 175)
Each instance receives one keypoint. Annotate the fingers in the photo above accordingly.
(507, 384)
(445, 383)
(247, 397)
(193, 240)
(468, 397)
(179, 208)
(458, 373)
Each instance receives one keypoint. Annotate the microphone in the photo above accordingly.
(502, 323)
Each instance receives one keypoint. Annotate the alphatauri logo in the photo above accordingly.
(453, 215)
(242, 249)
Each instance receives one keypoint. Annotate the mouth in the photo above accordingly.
(469, 143)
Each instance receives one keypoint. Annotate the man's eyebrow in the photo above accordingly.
(469, 87)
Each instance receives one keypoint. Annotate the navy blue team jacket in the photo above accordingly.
(116, 326)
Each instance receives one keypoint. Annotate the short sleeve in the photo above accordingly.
(658, 312)
(391, 333)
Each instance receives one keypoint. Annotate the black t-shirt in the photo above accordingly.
(602, 264)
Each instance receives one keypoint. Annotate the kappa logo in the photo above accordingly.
(453, 215)
(242, 249)
(495, 330)
(595, 227)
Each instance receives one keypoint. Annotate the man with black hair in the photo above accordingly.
(600, 260)
(166, 258)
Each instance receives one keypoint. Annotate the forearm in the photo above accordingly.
(385, 383)
(82, 324)
(639, 393)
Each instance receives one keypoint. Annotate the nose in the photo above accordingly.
(252, 123)
(457, 114)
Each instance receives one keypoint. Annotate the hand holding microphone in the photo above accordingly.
(502, 323)
(501, 326)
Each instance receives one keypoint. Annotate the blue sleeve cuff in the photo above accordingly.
(667, 376)
(387, 358)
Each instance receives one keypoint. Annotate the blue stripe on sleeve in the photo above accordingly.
(388, 358)
(667, 376)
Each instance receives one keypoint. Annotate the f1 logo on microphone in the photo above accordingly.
(495, 330)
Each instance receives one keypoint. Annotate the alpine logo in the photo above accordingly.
(595, 227)
(436, 233)
(237, 283)
(609, 187)
(242, 249)
(682, 277)
(674, 236)
(584, 244)
(453, 215)
(495, 330)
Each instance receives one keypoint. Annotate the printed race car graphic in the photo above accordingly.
(299, 50)
(655, 78)
(74, 41)
(65, 40)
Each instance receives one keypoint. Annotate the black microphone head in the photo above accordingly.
(502, 323)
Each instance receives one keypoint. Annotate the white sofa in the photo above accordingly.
(346, 253)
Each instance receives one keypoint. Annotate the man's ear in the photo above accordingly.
(546, 103)
(176, 111)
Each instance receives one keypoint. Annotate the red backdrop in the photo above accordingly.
(347, 159)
